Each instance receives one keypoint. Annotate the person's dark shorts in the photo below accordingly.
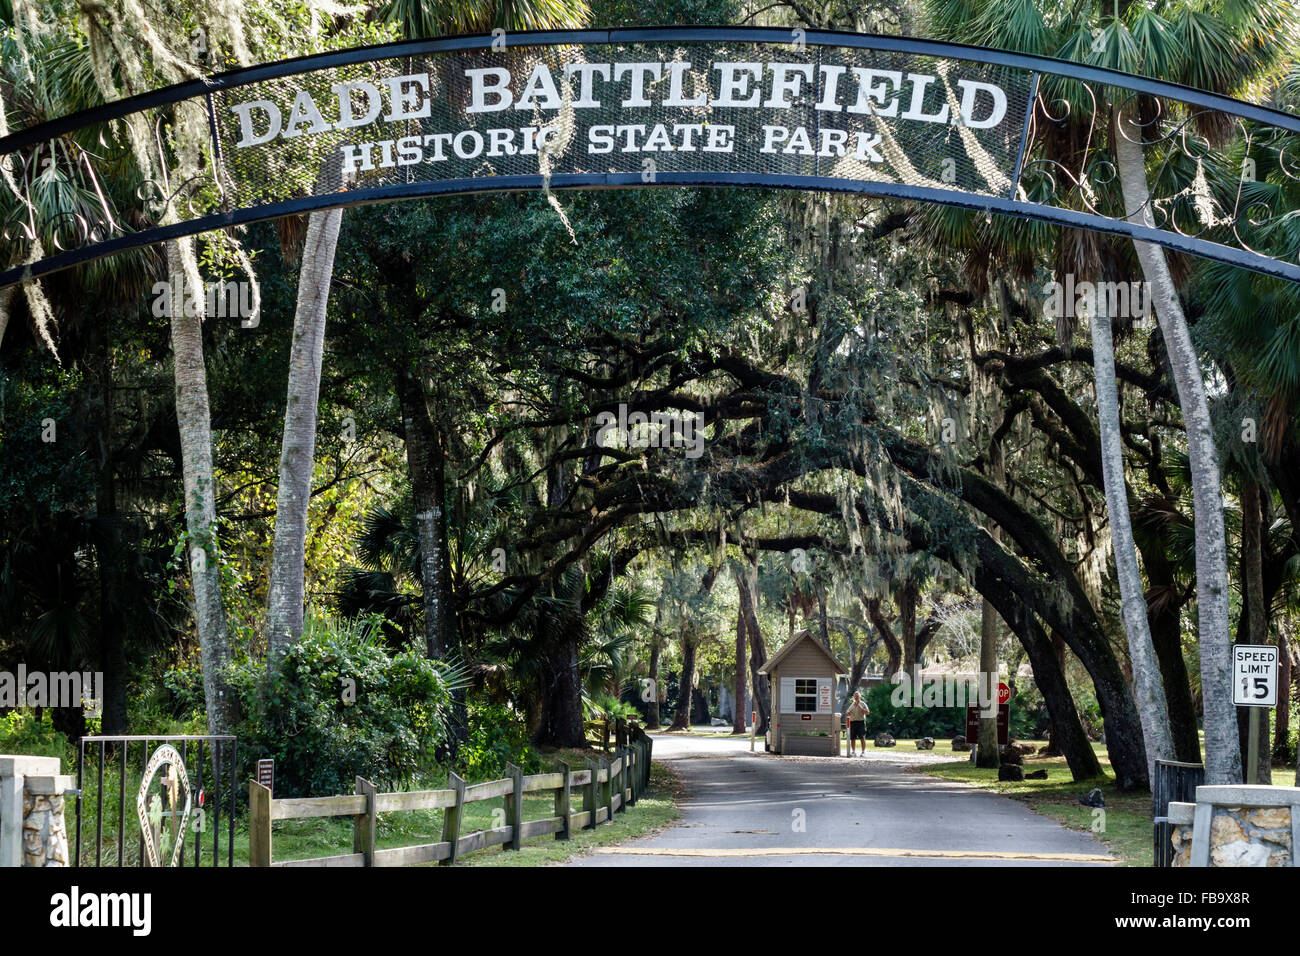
(857, 730)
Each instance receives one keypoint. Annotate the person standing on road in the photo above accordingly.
(857, 713)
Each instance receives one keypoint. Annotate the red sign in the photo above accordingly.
(973, 723)
(1004, 693)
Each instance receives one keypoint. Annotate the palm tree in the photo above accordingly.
(417, 19)
(1222, 46)
(50, 73)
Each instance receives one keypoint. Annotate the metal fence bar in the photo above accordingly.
(121, 812)
(1174, 782)
(81, 760)
(99, 812)
(118, 763)
(198, 791)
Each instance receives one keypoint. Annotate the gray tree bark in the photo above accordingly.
(1256, 611)
(298, 446)
(987, 755)
(738, 719)
(193, 419)
(1148, 689)
(424, 458)
(1222, 750)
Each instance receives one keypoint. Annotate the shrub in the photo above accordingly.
(497, 736)
(909, 722)
(338, 706)
(20, 733)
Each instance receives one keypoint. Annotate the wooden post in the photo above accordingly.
(562, 802)
(633, 771)
(451, 818)
(620, 734)
(649, 759)
(607, 794)
(625, 753)
(259, 824)
(515, 807)
(363, 824)
(589, 793)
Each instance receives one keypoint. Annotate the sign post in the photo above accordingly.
(1254, 685)
(266, 773)
(1004, 718)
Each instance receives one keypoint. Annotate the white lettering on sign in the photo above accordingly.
(833, 88)
(1254, 675)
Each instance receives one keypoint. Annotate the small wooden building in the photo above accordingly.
(803, 677)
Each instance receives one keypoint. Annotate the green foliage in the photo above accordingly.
(909, 722)
(338, 706)
(1028, 715)
(20, 733)
(497, 736)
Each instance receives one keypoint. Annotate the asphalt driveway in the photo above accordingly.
(744, 809)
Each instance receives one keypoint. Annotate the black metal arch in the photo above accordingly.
(1036, 65)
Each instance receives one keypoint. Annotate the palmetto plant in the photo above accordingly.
(1220, 45)
(430, 18)
(615, 624)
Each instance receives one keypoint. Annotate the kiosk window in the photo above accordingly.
(805, 695)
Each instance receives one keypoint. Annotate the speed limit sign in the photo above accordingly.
(1254, 675)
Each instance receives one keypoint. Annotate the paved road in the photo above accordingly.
(745, 809)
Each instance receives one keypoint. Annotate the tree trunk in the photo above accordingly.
(1148, 689)
(1282, 728)
(1222, 751)
(1049, 677)
(987, 755)
(1256, 608)
(685, 687)
(561, 687)
(823, 630)
(1165, 621)
(652, 705)
(424, 460)
(1053, 739)
(108, 538)
(1002, 577)
(746, 588)
(738, 717)
(907, 598)
(194, 422)
(298, 446)
(893, 649)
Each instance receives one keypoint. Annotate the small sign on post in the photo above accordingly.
(973, 714)
(1254, 675)
(266, 773)
(1254, 685)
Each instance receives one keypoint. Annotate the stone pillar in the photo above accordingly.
(32, 828)
(45, 836)
(1237, 826)
(1181, 816)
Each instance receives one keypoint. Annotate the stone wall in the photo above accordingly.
(45, 835)
(1237, 826)
(32, 827)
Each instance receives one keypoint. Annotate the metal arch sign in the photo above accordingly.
(883, 116)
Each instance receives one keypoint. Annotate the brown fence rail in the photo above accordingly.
(605, 787)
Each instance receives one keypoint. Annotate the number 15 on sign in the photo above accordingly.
(1254, 675)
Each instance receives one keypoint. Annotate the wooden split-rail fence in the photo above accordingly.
(605, 787)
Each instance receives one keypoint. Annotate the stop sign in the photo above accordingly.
(1004, 693)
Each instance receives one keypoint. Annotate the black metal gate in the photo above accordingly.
(1174, 783)
(116, 767)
